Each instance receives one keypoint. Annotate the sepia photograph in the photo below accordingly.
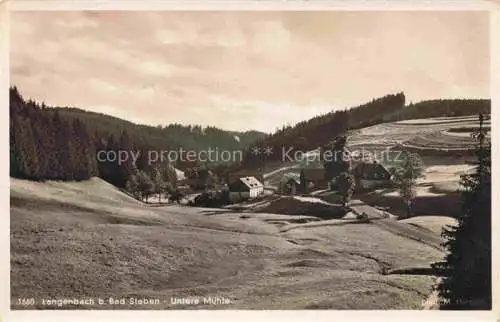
(262, 160)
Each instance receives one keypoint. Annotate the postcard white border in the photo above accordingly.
(493, 6)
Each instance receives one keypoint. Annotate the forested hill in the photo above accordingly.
(322, 129)
(189, 137)
(62, 143)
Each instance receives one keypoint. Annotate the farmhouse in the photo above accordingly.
(371, 175)
(313, 179)
(235, 176)
(292, 185)
(245, 188)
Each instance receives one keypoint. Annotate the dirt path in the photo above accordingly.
(277, 171)
(359, 207)
(379, 218)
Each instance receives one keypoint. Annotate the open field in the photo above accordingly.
(432, 223)
(437, 193)
(88, 239)
(425, 136)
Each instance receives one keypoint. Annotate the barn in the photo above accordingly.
(371, 175)
(245, 188)
(313, 179)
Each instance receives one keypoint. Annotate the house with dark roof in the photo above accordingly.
(291, 183)
(313, 179)
(371, 175)
(245, 188)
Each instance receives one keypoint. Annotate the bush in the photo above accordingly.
(212, 199)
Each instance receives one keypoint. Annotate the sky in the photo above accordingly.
(245, 70)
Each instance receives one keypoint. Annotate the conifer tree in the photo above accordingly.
(337, 161)
(125, 168)
(84, 166)
(14, 167)
(50, 153)
(40, 137)
(467, 267)
(108, 168)
(63, 154)
(132, 185)
(25, 149)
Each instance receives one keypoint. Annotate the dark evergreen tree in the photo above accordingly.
(127, 166)
(42, 139)
(51, 163)
(467, 268)
(14, 166)
(63, 153)
(337, 160)
(25, 150)
(109, 169)
(84, 165)
(132, 185)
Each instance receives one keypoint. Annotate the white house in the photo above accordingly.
(245, 188)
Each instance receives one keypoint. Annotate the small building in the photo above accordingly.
(292, 185)
(245, 188)
(371, 175)
(236, 175)
(313, 179)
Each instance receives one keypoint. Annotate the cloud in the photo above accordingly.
(245, 70)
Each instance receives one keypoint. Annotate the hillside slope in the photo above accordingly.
(87, 239)
(322, 129)
(444, 134)
(189, 137)
(101, 126)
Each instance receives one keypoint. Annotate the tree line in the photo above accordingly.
(63, 144)
(47, 145)
(174, 136)
(162, 181)
(320, 131)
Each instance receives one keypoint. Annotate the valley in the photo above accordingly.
(89, 239)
